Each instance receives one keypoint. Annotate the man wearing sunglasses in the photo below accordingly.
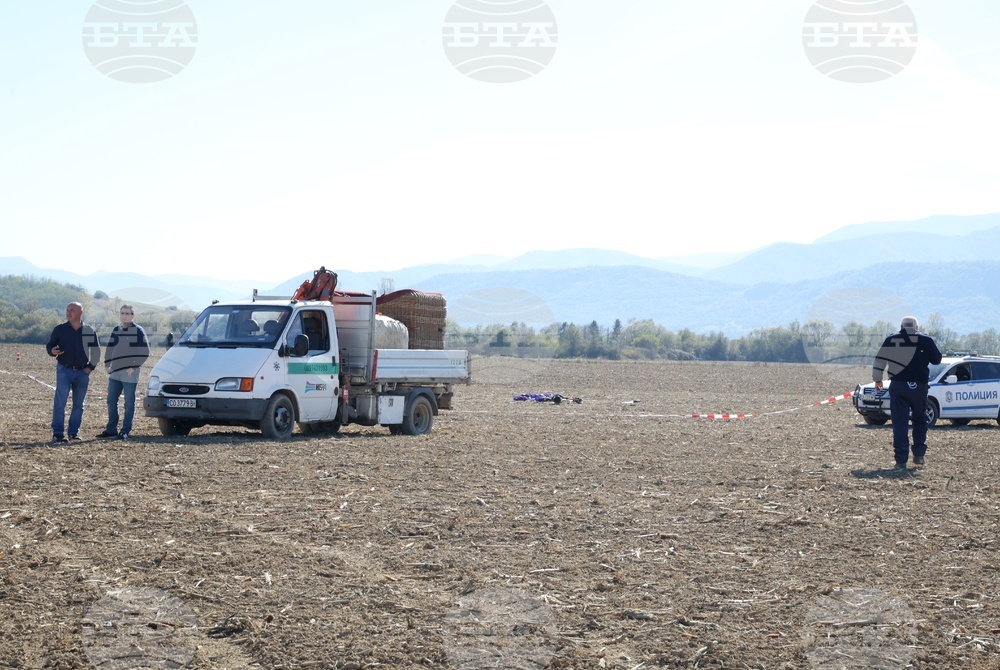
(127, 350)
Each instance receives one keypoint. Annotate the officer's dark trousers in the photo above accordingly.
(908, 401)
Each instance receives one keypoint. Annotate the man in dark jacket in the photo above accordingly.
(127, 350)
(77, 351)
(905, 356)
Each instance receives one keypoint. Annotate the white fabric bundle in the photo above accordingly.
(390, 334)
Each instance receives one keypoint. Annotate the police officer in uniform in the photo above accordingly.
(905, 356)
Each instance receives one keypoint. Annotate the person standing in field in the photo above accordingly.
(906, 356)
(77, 351)
(127, 350)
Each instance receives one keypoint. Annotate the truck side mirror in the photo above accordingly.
(951, 379)
(300, 346)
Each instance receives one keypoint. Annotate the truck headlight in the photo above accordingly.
(244, 384)
(153, 386)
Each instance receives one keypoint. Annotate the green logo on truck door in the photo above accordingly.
(313, 368)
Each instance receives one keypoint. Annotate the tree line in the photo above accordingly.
(811, 342)
(30, 308)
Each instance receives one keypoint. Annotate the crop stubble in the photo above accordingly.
(516, 535)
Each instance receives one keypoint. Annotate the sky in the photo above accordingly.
(282, 137)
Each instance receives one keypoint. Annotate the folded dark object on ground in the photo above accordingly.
(554, 398)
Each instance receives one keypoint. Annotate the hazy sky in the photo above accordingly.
(320, 132)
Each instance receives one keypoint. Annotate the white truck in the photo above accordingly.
(269, 363)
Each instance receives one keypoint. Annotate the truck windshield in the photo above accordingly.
(254, 325)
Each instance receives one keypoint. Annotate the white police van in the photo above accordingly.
(963, 387)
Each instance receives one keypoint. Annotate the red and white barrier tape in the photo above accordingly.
(50, 386)
(713, 416)
(725, 416)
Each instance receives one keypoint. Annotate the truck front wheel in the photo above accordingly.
(420, 418)
(279, 418)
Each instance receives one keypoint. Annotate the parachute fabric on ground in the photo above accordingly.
(390, 334)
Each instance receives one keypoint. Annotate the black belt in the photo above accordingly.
(74, 367)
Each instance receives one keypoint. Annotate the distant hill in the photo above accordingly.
(966, 295)
(785, 262)
(178, 291)
(868, 273)
(941, 224)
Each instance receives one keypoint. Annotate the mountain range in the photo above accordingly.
(865, 273)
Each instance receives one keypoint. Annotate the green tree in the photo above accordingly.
(571, 342)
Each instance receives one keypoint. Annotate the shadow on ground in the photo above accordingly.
(883, 473)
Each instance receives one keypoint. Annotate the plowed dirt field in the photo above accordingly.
(614, 533)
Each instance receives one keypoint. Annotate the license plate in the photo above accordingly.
(182, 402)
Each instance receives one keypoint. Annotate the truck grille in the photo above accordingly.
(186, 389)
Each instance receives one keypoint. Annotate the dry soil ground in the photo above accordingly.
(607, 534)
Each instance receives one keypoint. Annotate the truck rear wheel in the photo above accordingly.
(279, 418)
(172, 428)
(420, 418)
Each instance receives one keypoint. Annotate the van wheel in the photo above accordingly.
(279, 418)
(932, 411)
(172, 428)
(420, 418)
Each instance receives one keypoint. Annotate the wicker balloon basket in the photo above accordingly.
(424, 314)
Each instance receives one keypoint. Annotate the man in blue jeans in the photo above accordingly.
(906, 356)
(77, 351)
(127, 350)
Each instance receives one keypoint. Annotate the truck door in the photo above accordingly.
(314, 376)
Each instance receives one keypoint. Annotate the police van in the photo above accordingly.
(963, 387)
